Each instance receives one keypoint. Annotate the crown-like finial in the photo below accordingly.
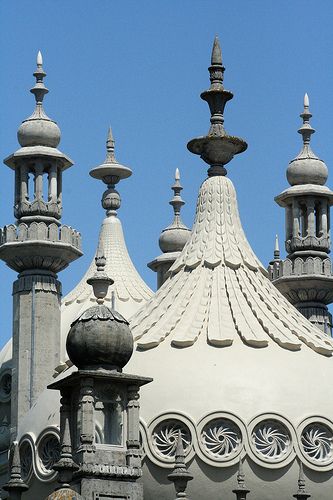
(100, 281)
(217, 148)
(180, 475)
(39, 90)
(301, 493)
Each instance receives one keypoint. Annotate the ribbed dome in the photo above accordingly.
(100, 338)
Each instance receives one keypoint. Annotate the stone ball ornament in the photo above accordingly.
(307, 170)
(173, 239)
(100, 338)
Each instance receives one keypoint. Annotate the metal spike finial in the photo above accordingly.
(180, 475)
(65, 465)
(177, 201)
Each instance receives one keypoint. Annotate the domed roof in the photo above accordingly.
(39, 129)
(306, 168)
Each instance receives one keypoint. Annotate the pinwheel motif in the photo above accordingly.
(317, 441)
(26, 459)
(165, 437)
(49, 451)
(221, 438)
(271, 439)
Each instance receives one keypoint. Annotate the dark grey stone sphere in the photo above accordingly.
(100, 338)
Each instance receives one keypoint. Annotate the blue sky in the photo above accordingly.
(140, 66)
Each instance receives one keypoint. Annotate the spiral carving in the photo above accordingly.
(165, 437)
(221, 438)
(271, 439)
(49, 451)
(26, 460)
(317, 442)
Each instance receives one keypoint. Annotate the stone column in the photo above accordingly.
(36, 344)
(323, 218)
(24, 183)
(38, 181)
(289, 222)
(53, 184)
(311, 228)
(133, 455)
(296, 214)
(86, 417)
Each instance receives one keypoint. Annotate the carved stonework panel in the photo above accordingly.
(315, 438)
(271, 440)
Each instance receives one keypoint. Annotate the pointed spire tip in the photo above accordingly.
(39, 59)
(306, 100)
(110, 134)
(216, 52)
(177, 174)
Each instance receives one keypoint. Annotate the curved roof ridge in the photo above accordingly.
(128, 292)
(219, 288)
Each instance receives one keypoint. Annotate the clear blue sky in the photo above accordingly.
(140, 66)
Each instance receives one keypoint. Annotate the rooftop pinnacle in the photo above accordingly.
(217, 148)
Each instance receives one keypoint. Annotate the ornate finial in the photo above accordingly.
(16, 486)
(66, 465)
(241, 491)
(177, 201)
(110, 157)
(100, 281)
(217, 148)
(174, 237)
(180, 475)
(39, 90)
(111, 172)
(306, 130)
(276, 248)
(301, 493)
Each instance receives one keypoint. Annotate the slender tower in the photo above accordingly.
(37, 247)
(173, 238)
(305, 276)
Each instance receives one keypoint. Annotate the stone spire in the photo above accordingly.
(37, 247)
(180, 475)
(301, 492)
(217, 148)
(241, 491)
(305, 276)
(173, 238)
(15, 486)
(274, 265)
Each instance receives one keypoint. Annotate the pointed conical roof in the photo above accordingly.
(218, 288)
(129, 292)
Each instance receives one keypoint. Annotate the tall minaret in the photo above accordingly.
(37, 247)
(173, 238)
(305, 276)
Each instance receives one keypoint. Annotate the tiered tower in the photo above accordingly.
(305, 276)
(37, 247)
(173, 238)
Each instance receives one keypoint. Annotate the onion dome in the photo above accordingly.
(39, 129)
(174, 237)
(306, 168)
(100, 337)
(64, 494)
